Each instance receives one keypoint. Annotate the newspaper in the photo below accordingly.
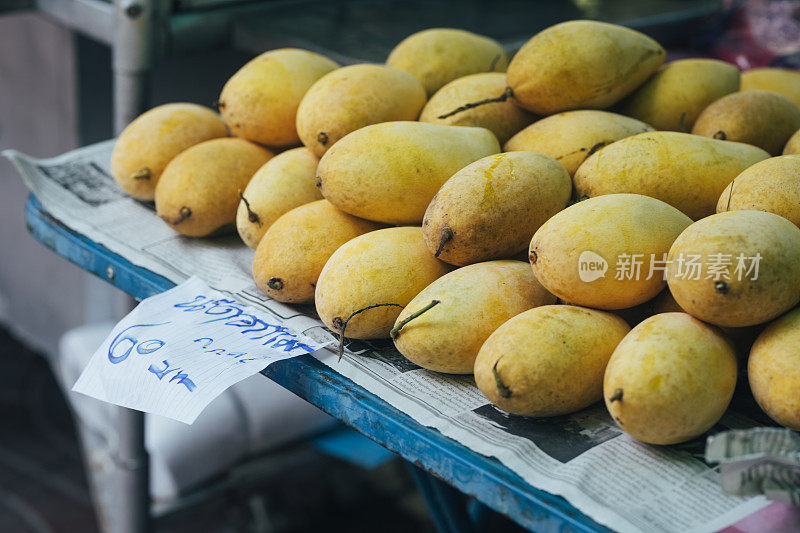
(584, 457)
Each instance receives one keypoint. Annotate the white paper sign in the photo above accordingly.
(177, 351)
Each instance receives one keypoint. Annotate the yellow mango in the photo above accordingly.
(147, 144)
(606, 252)
(297, 245)
(440, 55)
(384, 268)
(198, 192)
(686, 171)
(738, 268)
(491, 208)
(670, 379)
(548, 361)
(259, 102)
(286, 181)
(473, 302)
(504, 119)
(793, 144)
(352, 97)
(572, 136)
(781, 81)
(389, 172)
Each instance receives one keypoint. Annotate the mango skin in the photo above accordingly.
(677, 93)
(389, 265)
(762, 118)
(290, 257)
(793, 144)
(474, 301)
(676, 376)
(550, 360)
(504, 119)
(726, 300)
(781, 81)
(147, 144)
(389, 172)
(772, 185)
(259, 102)
(493, 206)
(355, 96)
(572, 136)
(686, 171)
(438, 56)
(286, 181)
(609, 226)
(204, 181)
(773, 370)
(581, 64)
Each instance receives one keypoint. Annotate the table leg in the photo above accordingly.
(132, 498)
(446, 505)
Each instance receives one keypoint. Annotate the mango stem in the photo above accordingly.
(143, 174)
(184, 213)
(616, 397)
(396, 330)
(251, 215)
(447, 234)
(508, 93)
(341, 325)
(502, 388)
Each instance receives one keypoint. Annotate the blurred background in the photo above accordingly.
(64, 63)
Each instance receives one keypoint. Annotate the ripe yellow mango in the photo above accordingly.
(772, 185)
(389, 172)
(588, 253)
(297, 245)
(774, 370)
(793, 144)
(491, 208)
(352, 97)
(686, 171)
(572, 136)
(440, 55)
(387, 266)
(473, 302)
(198, 192)
(738, 268)
(147, 144)
(548, 361)
(781, 81)
(761, 118)
(677, 93)
(259, 102)
(504, 119)
(581, 64)
(670, 379)
(286, 181)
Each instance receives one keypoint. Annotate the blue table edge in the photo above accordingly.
(476, 475)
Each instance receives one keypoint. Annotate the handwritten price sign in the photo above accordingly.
(179, 350)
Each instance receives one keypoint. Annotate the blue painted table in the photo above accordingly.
(449, 463)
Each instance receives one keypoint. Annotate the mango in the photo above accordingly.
(670, 379)
(472, 302)
(147, 144)
(491, 208)
(686, 171)
(572, 136)
(290, 257)
(606, 252)
(389, 172)
(548, 361)
(440, 55)
(581, 64)
(793, 144)
(368, 281)
(286, 181)
(677, 93)
(259, 102)
(198, 192)
(451, 105)
(738, 268)
(772, 185)
(779, 80)
(774, 370)
(761, 118)
(352, 97)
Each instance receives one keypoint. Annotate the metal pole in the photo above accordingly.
(133, 54)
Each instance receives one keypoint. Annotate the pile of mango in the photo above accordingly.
(581, 223)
